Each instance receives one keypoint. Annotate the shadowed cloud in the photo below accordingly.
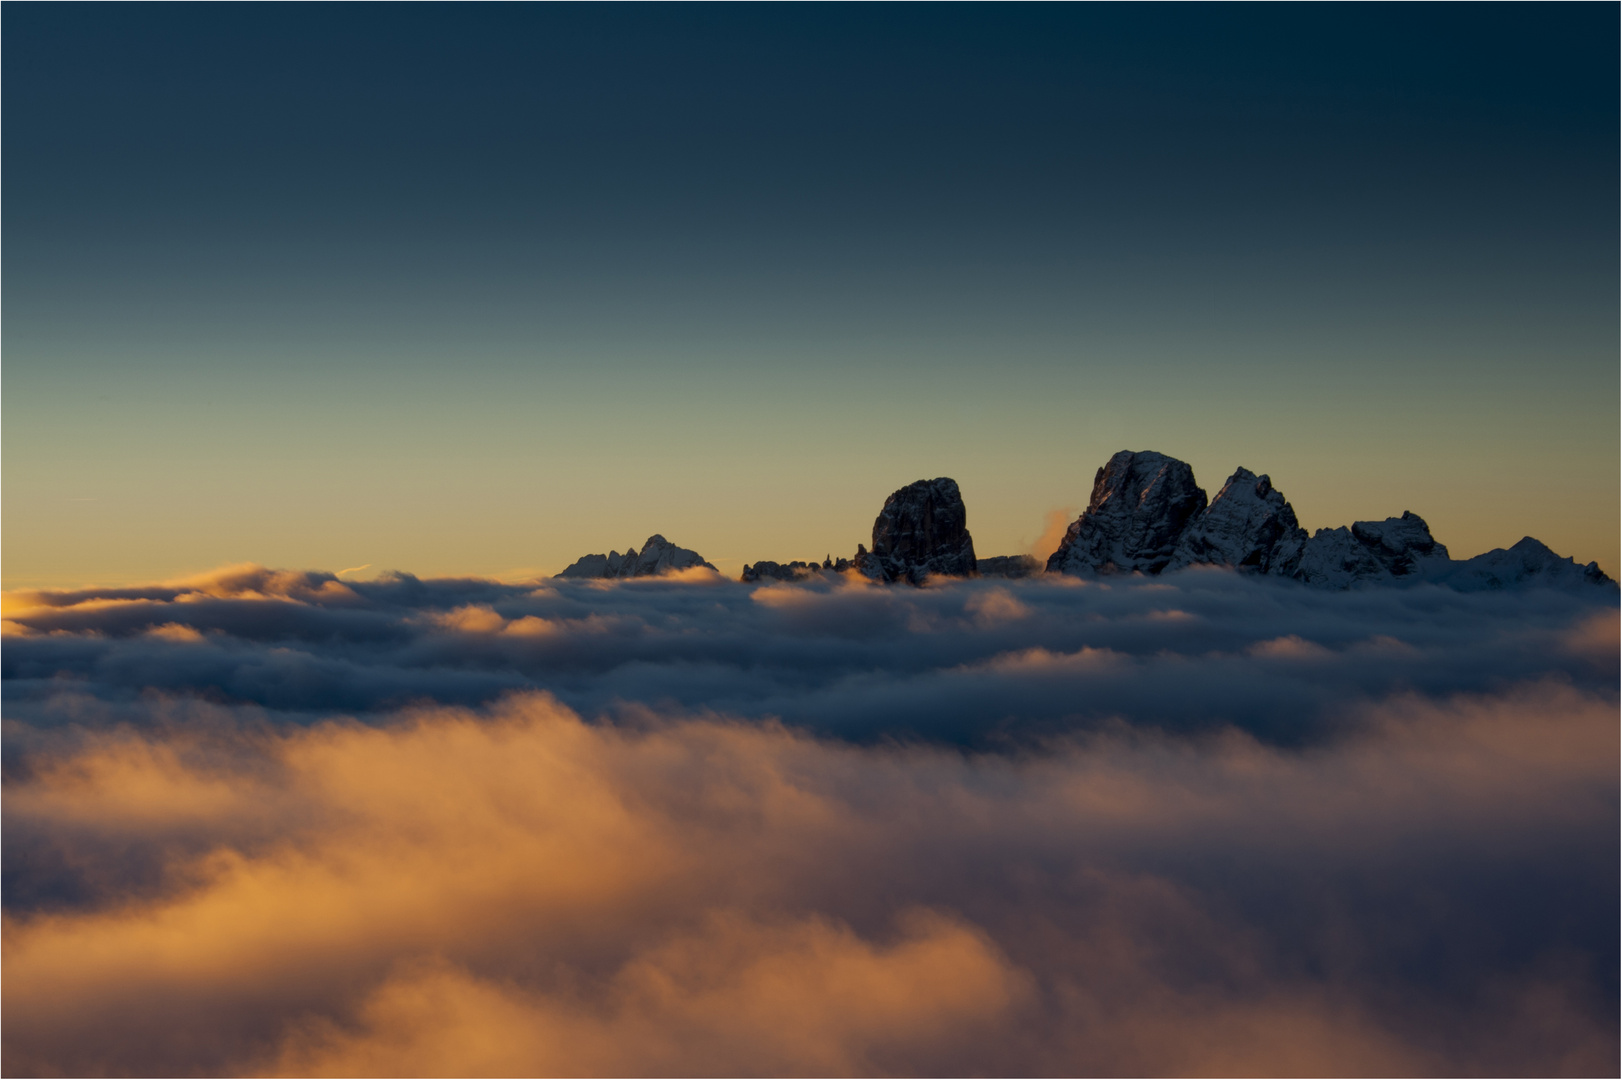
(256, 824)
(516, 891)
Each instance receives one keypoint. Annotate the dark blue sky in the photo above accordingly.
(479, 288)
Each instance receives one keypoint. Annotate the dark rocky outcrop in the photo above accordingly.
(1248, 526)
(658, 556)
(766, 570)
(1009, 566)
(921, 532)
(1141, 504)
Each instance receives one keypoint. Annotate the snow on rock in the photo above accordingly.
(1147, 515)
(1527, 563)
(1248, 526)
(658, 556)
(1141, 504)
(1372, 551)
(1333, 559)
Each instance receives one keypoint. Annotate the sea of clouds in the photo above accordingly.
(275, 822)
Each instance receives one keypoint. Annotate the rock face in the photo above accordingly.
(1147, 515)
(922, 531)
(1527, 563)
(1141, 505)
(1009, 566)
(658, 556)
(1248, 526)
(1372, 551)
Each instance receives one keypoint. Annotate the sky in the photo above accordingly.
(478, 290)
(333, 331)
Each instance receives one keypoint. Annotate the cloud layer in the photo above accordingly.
(970, 663)
(270, 822)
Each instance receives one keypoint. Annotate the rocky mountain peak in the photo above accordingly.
(1527, 562)
(1141, 504)
(1248, 526)
(922, 531)
(658, 556)
(1398, 547)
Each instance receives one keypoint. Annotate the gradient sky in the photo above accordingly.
(480, 289)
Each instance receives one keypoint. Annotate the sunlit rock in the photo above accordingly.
(1141, 504)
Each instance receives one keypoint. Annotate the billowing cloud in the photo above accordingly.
(1205, 650)
(254, 824)
(521, 892)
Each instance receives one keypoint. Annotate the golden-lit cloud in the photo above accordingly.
(1039, 661)
(1054, 525)
(1597, 639)
(995, 606)
(696, 574)
(245, 581)
(519, 892)
(730, 996)
(176, 632)
(480, 619)
(1289, 647)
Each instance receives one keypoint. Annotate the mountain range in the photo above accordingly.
(1147, 515)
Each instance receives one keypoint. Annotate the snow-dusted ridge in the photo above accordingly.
(1147, 515)
(658, 556)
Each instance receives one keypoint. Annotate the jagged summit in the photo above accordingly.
(794, 570)
(1527, 562)
(1147, 515)
(1142, 503)
(1372, 551)
(658, 556)
(1248, 526)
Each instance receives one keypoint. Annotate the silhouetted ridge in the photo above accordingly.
(1146, 515)
(658, 556)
